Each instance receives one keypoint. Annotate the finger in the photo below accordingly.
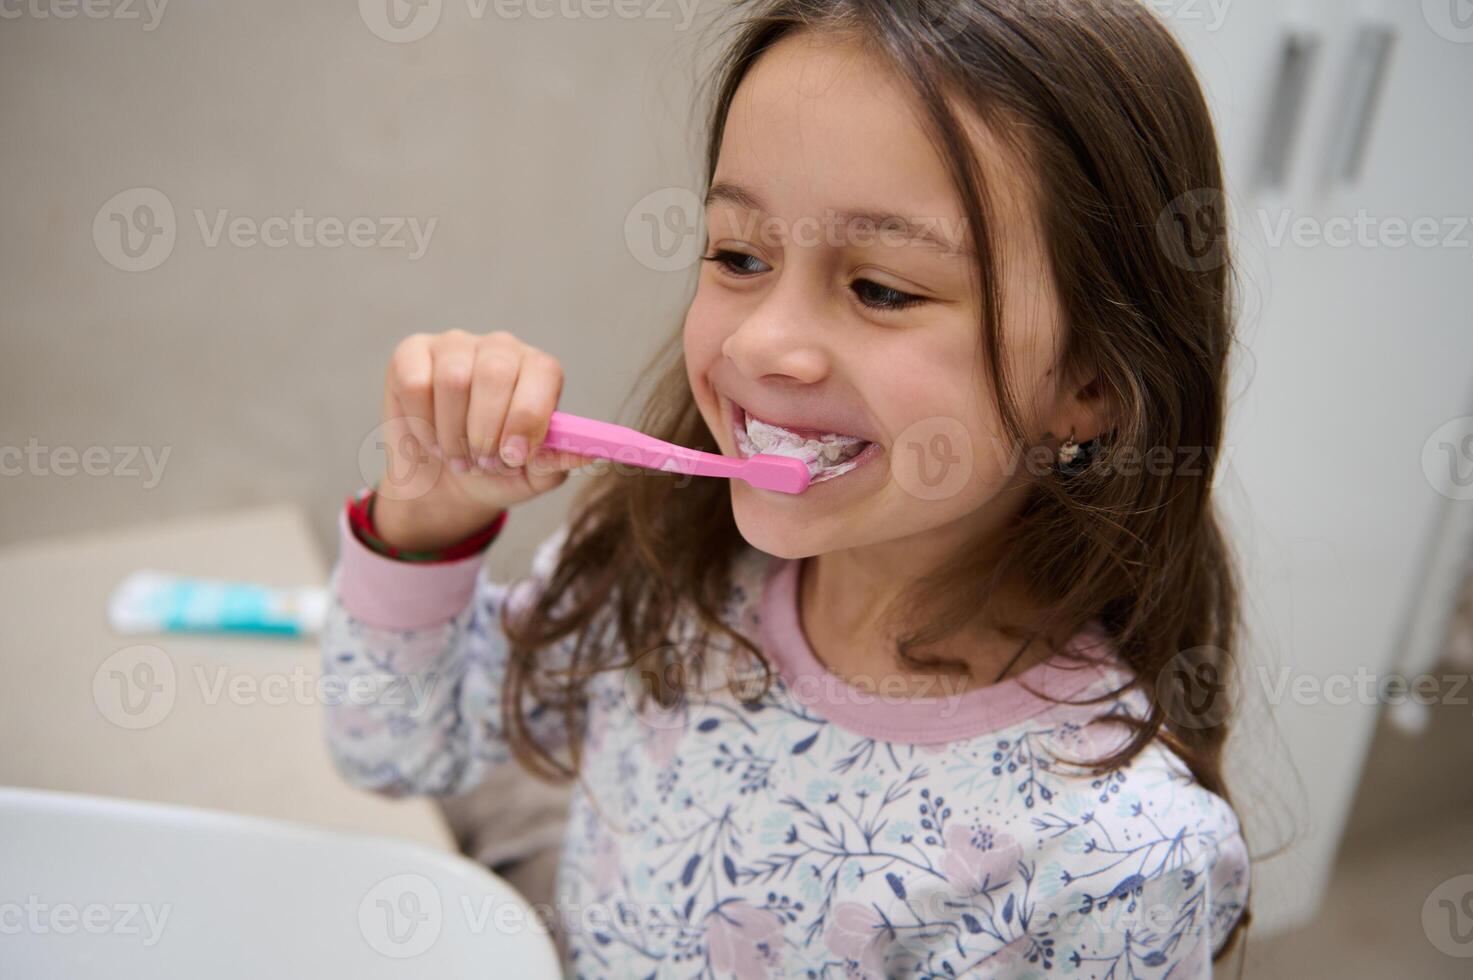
(454, 358)
(539, 383)
(408, 392)
(548, 468)
(494, 376)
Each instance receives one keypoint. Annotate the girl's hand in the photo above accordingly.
(463, 422)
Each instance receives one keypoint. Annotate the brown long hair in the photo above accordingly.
(1105, 107)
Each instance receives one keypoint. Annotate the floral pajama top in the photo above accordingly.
(825, 830)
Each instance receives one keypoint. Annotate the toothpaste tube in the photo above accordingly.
(158, 602)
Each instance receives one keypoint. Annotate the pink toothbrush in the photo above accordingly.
(604, 440)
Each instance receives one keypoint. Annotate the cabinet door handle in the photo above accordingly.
(1297, 57)
(1364, 81)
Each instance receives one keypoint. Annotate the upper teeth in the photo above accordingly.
(825, 450)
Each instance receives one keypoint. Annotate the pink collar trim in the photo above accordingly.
(921, 720)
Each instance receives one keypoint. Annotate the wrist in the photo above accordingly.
(421, 525)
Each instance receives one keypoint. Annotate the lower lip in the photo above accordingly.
(738, 423)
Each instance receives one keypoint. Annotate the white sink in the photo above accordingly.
(97, 887)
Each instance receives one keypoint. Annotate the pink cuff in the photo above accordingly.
(400, 595)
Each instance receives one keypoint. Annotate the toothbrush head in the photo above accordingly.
(781, 473)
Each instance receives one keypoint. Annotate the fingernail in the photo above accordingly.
(485, 462)
(459, 465)
(514, 450)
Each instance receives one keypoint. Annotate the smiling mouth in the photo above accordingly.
(827, 455)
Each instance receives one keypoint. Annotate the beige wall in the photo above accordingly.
(528, 141)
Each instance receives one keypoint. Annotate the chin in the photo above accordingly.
(778, 530)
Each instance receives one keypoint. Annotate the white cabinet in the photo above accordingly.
(1356, 268)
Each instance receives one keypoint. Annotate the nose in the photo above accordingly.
(780, 338)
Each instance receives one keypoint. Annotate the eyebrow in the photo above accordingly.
(919, 231)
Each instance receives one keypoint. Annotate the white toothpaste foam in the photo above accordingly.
(826, 457)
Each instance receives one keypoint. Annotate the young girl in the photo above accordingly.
(936, 715)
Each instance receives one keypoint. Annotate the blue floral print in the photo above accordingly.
(724, 838)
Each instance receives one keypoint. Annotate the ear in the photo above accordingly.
(1085, 409)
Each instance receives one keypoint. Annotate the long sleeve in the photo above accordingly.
(414, 656)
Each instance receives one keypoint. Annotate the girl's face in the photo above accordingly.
(838, 300)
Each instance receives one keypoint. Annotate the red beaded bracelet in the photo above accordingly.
(360, 519)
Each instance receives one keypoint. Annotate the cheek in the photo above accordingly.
(702, 332)
(927, 387)
(948, 452)
(701, 340)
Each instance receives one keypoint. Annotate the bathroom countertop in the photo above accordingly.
(228, 723)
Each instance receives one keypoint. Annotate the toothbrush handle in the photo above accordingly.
(605, 440)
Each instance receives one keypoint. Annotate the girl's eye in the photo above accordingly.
(870, 293)
(879, 297)
(737, 263)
